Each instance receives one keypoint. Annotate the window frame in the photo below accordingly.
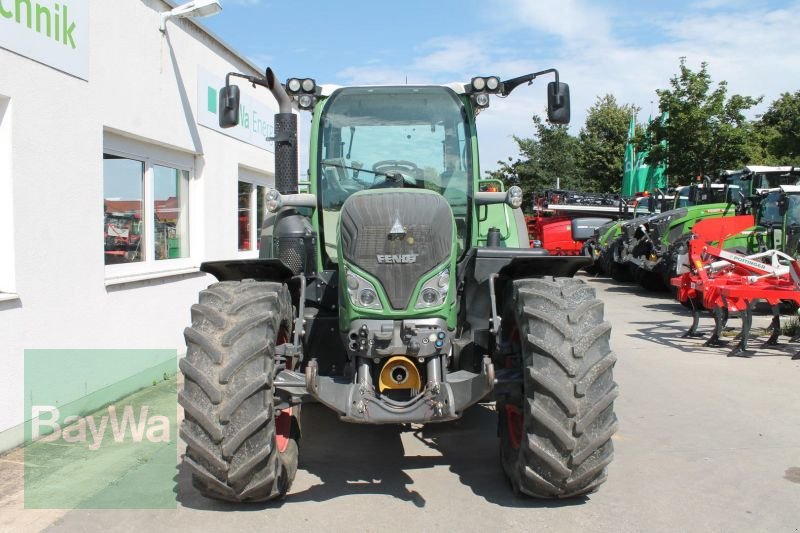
(8, 286)
(150, 156)
(255, 179)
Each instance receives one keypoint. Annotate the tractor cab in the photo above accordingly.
(777, 220)
(378, 138)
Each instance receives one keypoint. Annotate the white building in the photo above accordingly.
(115, 181)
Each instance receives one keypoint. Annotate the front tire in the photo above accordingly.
(555, 440)
(618, 271)
(237, 447)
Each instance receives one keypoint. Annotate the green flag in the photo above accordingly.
(628, 171)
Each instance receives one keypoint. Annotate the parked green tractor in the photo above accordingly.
(395, 291)
(651, 248)
(777, 223)
(646, 248)
(603, 247)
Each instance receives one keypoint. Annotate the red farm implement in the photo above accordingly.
(564, 220)
(731, 284)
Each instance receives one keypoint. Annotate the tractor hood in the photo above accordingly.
(400, 241)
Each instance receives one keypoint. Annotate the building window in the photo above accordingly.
(250, 214)
(123, 209)
(7, 280)
(146, 210)
(171, 212)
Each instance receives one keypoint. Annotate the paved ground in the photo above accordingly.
(706, 443)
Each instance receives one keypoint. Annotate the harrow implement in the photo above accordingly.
(731, 284)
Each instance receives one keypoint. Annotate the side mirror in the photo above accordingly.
(229, 106)
(558, 103)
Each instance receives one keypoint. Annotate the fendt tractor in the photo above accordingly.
(395, 291)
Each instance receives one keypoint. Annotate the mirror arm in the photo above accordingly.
(509, 85)
(270, 83)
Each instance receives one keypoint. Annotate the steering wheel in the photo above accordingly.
(403, 167)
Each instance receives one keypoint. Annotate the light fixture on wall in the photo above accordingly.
(195, 8)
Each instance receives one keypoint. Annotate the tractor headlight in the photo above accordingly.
(485, 83)
(367, 297)
(309, 85)
(305, 101)
(303, 91)
(361, 292)
(293, 85)
(430, 296)
(514, 196)
(482, 100)
(273, 200)
(434, 291)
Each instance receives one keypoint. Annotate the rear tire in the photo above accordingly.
(555, 441)
(237, 448)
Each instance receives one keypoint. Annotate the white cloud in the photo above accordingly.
(576, 21)
(599, 51)
(752, 48)
(451, 55)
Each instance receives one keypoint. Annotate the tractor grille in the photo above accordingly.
(367, 222)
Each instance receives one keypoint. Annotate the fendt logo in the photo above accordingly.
(397, 259)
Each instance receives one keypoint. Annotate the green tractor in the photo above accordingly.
(652, 249)
(604, 245)
(400, 289)
(777, 223)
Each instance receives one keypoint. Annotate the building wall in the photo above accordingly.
(55, 290)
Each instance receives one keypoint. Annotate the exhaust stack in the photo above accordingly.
(286, 175)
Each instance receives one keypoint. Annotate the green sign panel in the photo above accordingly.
(103, 429)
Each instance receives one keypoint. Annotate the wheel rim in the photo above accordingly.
(514, 424)
(283, 422)
(283, 429)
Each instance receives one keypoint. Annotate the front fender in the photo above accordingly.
(257, 269)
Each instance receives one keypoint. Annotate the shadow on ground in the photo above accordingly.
(671, 333)
(350, 459)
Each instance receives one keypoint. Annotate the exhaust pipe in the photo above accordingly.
(286, 175)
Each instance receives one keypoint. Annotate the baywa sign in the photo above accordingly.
(53, 33)
(256, 119)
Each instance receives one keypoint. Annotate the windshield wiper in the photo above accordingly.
(394, 177)
(348, 167)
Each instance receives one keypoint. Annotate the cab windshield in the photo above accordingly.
(382, 137)
(769, 213)
(793, 210)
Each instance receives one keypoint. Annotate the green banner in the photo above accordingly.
(628, 188)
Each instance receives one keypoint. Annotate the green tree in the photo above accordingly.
(551, 156)
(602, 143)
(706, 131)
(779, 129)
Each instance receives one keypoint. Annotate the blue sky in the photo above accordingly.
(628, 49)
